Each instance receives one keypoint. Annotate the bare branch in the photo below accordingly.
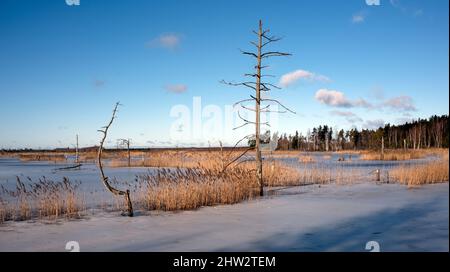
(249, 53)
(244, 100)
(250, 109)
(245, 120)
(270, 40)
(243, 125)
(256, 75)
(269, 84)
(278, 102)
(274, 54)
(237, 158)
(246, 84)
(237, 143)
(273, 111)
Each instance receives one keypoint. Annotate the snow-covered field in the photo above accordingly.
(329, 218)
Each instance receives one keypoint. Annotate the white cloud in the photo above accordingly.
(337, 99)
(358, 18)
(169, 41)
(292, 77)
(176, 88)
(401, 103)
(332, 98)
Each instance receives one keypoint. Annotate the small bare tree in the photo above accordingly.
(104, 178)
(258, 85)
(76, 152)
(126, 142)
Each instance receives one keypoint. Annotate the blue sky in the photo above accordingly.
(63, 67)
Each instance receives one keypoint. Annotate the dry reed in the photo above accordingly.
(42, 199)
(429, 173)
(395, 155)
(191, 188)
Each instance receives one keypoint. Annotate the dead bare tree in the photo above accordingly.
(104, 178)
(126, 142)
(263, 39)
(76, 152)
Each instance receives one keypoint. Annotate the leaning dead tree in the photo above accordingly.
(259, 85)
(104, 178)
(126, 142)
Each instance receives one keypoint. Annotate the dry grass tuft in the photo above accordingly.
(305, 159)
(207, 184)
(43, 199)
(326, 174)
(399, 154)
(191, 188)
(429, 173)
(42, 157)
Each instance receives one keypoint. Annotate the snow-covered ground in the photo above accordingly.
(329, 218)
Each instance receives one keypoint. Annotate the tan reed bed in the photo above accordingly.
(44, 199)
(398, 154)
(428, 173)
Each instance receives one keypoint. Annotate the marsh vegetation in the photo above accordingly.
(171, 180)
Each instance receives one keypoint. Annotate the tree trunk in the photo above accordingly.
(76, 152)
(259, 178)
(104, 178)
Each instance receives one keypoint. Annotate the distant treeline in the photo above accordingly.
(422, 133)
(143, 149)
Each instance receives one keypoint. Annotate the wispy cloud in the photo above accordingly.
(349, 116)
(292, 77)
(407, 8)
(338, 99)
(342, 113)
(358, 18)
(168, 41)
(98, 83)
(176, 88)
(400, 103)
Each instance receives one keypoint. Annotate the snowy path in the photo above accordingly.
(330, 218)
